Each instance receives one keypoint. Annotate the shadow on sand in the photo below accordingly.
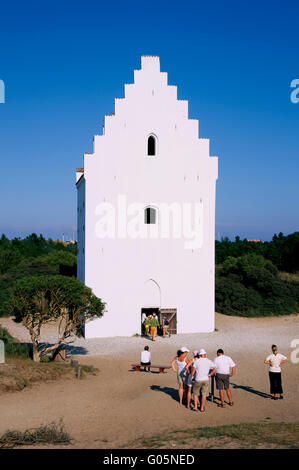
(70, 349)
(251, 390)
(172, 392)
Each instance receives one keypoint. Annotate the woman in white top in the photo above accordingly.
(179, 365)
(275, 360)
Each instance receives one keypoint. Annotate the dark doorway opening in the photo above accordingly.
(147, 312)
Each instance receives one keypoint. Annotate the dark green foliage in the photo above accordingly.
(250, 286)
(37, 300)
(282, 251)
(47, 296)
(32, 256)
(12, 346)
(5, 336)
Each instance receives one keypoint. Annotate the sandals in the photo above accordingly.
(231, 403)
(221, 405)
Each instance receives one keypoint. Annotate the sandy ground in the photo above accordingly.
(118, 406)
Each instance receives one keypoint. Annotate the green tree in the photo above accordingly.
(59, 257)
(36, 301)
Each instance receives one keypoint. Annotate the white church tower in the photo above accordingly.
(146, 212)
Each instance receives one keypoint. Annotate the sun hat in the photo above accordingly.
(183, 349)
(195, 353)
(202, 351)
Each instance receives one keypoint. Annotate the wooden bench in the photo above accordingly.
(161, 368)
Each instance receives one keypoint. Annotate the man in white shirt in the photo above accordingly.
(143, 317)
(145, 359)
(201, 369)
(225, 368)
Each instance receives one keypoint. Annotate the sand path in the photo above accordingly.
(117, 406)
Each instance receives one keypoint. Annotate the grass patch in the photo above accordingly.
(244, 435)
(52, 433)
(18, 373)
(14, 347)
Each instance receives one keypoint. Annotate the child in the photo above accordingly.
(145, 359)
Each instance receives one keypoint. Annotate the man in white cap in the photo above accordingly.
(201, 369)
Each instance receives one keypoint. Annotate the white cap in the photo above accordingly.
(183, 349)
(202, 351)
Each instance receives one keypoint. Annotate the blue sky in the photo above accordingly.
(63, 63)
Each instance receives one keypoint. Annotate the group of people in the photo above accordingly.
(151, 323)
(193, 375)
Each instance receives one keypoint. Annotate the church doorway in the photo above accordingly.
(171, 315)
(145, 312)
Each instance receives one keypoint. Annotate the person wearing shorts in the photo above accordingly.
(201, 370)
(165, 326)
(179, 365)
(154, 324)
(225, 368)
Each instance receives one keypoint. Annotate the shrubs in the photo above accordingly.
(32, 256)
(282, 250)
(52, 433)
(13, 347)
(38, 300)
(251, 286)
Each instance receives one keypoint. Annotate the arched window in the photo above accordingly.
(150, 215)
(151, 145)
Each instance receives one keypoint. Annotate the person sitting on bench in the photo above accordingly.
(145, 359)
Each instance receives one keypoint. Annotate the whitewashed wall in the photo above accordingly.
(118, 270)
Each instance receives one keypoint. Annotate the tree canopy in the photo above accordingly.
(38, 300)
(32, 256)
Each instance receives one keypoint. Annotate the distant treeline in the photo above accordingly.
(282, 250)
(249, 278)
(249, 281)
(32, 256)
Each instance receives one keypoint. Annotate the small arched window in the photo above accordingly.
(151, 145)
(150, 215)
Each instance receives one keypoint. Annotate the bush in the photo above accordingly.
(12, 346)
(233, 298)
(250, 286)
(49, 434)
